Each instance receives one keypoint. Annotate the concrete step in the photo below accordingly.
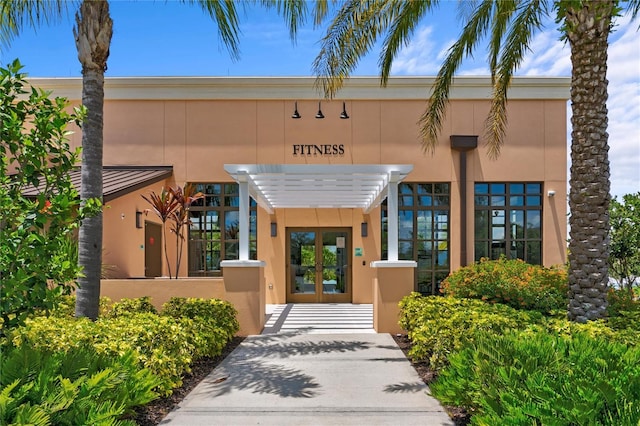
(319, 318)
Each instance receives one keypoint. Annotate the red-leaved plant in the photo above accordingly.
(172, 204)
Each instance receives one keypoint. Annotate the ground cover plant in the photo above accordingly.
(78, 386)
(544, 378)
(517, 367)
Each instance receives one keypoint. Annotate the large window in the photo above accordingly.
(423, 232)
(508, 221)
(213, 233)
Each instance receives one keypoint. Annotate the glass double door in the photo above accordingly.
(318, 265)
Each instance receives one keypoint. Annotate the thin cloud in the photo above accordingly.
(420, 56)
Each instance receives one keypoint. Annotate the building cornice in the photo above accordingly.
(299, 88)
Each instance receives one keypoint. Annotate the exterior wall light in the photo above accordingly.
(344, 114)
(138, 219)
(274, 229)
(364, 229)
(296, 114)
(320, 115)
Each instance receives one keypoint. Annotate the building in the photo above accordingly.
(328, 188)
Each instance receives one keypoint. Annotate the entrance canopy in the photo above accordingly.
(275, 186)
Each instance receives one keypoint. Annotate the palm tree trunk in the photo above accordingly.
(93, 38)
(588, 30)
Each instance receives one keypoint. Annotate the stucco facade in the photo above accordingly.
(199, 125)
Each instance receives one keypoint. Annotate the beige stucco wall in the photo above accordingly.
(160, 290)
(123, 243)
(198, 136)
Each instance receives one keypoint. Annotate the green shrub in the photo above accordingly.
(510, 282)
(35, 232)
(165, 344)
(212, 323)
(75, 387)
(66, 307)
(600, 329)
(542, 378)
(160, 344)
(623, 310)
(127, 307)
(438, 326)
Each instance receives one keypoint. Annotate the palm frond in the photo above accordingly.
(404, 23)
(354, 30)
(431, 120)
(225, 15)
(634, 7)
(513, 51)
(294, 13)
(15, 15)
(502, 14)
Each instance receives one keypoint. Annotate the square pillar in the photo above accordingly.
(244, 286)
(392, 282)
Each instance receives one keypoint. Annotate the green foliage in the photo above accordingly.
(624, 249)
(544, 378)
(438, 326)
(510, 282)
(164, 344)
(65, 307)
(623, 311)
(212, 323)
(160, 344)
(35, 231)
(132, 306)
(78, 386)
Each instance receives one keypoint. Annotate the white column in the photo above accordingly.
(243, 237)
(392, 217)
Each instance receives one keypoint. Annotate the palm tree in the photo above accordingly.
(508, 26)
(92, 32)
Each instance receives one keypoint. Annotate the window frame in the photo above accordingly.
(224, 201)
(513, 207)
(415, 203)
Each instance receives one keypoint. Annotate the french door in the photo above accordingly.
(318, 265)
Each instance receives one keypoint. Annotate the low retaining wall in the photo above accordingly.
(160, 290)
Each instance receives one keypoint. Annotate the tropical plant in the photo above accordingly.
(80, 386)
(163, 205)
(544, 378)
(172, 205)
(37, 261)
(624, 257)
(508, 26)
(180, 217)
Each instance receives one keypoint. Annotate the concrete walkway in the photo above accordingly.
(299, 378)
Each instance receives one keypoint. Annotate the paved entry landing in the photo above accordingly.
(319, 318)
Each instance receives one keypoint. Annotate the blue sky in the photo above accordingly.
(172, 39)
